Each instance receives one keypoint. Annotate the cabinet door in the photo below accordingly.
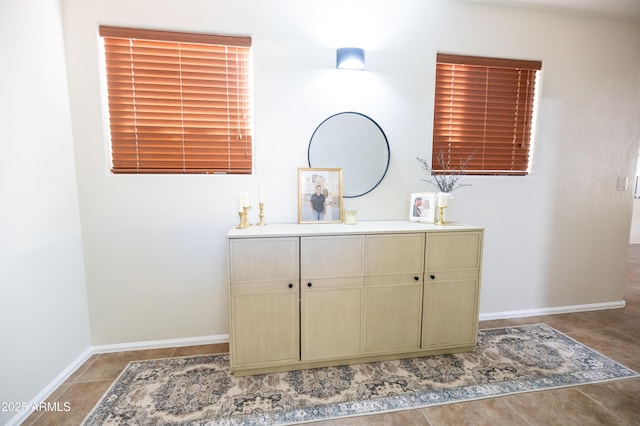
(263, 259)
(453, 251)
(393, 292)
(394, 254)
(450, 314)
(264, 295)
(264, 324)
(451, 289)
(331, 257)
(332, 277)
(392, 316)
(331, 319)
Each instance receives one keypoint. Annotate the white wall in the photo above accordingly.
(44, 322)
(154, 245)
(634, 235)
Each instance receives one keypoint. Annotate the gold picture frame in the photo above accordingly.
(319, 195)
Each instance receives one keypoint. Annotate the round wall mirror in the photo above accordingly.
(355, 143)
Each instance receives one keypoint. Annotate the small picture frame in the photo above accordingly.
(422, 207)
(319, 195)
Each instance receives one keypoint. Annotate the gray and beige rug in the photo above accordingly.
(200, 390)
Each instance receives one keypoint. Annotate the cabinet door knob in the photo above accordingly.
(309, 284)
(433, 277)
(290, 285)
(416, 278)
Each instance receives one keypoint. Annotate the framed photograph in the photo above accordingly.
(422, 207)
(319, 195)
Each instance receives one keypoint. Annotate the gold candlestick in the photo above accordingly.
(261, 215)
(241, 224)
(441, 219)
(245, 216)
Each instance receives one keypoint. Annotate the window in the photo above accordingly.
(178, 102)
(483, 107)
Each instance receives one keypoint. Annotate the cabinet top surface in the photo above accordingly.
(364, 227)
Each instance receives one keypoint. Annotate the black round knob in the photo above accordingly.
(290, 285)
(416, 278)
(433, 277)
(309, 284)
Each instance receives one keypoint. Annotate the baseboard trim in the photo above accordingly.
(51, 387)
(160, 344)
(551, 311)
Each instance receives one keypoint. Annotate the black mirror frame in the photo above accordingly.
(386, 169)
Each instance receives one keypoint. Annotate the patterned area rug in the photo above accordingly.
(200, 390)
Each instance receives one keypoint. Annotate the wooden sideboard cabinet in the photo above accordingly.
(303, 296)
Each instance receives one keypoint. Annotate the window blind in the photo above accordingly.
(178, 102)
(483, 106)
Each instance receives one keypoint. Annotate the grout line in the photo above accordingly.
(601, 404)
(426, 417)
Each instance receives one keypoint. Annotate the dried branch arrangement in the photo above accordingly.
(447, 180)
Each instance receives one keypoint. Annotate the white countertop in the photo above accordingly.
(364, 227)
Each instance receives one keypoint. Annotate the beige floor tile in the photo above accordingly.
(489, 412)
(397, 418)
(110, 365)
(72, 406)
(621, 397)
(566, 407)
(74, 376)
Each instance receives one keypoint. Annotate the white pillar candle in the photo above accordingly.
(260, 193)
(442, 199)
(240, 203)
(245, 199)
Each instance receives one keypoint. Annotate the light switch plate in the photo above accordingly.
(623, 183)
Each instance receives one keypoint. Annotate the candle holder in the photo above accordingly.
(441, 216)
(245, 215)
(261, 215)
(241, 224)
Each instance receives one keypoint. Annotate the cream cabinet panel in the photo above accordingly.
(450, 314)
(392, 317)
(264, 324)
(331, 323)
(332, 279)
(393, 292)
(451, 290)
(331, 256)
(453, 251)
(394, 254)
(263, 259)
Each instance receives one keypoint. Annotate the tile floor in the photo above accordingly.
(615, 333)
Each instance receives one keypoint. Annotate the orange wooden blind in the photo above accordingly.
(484, 106)
(178, 102)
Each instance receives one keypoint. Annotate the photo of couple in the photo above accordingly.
(320, 195)
(422, 207)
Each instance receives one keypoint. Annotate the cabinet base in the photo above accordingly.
(242, 371)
